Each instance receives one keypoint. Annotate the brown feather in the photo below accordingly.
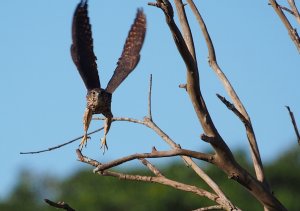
(131, 52)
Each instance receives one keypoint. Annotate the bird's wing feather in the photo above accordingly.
(131, 52)
(82, 47)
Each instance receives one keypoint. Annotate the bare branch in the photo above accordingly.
(231, 92)
(60, 205)
(294, 10)
(167, 8)
(122, 119)
(87, 160)
(149, 123)
(187, 34)
(294, 123)
(224, 158)
(61, 145)
(292, 32)
(286, 9)
(151, 167)
(156, 154)
(231, 107)
(149, 98)
(165, 181)
(159, 178)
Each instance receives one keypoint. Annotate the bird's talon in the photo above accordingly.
(104, 144)
(83, 142)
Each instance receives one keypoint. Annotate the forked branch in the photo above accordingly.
(232, 93)
(224, 158)
(291, 31)
(158, 178)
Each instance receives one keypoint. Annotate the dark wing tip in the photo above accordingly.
(83, 3)
(82, 47)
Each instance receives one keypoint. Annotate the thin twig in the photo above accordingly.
(60, 205)
(231, 107)
(149, 98)
(286, 9)
(61, 145)
(294, 123)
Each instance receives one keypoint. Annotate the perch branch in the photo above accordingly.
(61, 145)
(150, 124)
(294, 123)
(60, 205)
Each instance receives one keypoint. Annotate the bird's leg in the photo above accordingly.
(107, 124)
(87, 117)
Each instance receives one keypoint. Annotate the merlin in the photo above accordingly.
(99, 99)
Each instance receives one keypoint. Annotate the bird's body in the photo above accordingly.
(98, 99)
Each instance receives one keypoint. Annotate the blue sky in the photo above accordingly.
(43, 97)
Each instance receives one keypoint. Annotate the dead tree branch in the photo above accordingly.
(156, 154)
(158, 178)
(61, 145)
(187, 159)
(294, 124)
(295, 10)
(223, 158)
(291, 31)
(231, 92)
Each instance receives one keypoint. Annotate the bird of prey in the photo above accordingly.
(99, 99)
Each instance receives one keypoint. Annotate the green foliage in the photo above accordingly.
(87, 191)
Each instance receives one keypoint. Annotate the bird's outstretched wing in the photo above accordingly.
(131, 52)
(82, 47)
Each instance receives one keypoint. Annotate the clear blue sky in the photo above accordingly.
(43, 97)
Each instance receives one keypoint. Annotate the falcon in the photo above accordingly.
(99, 99)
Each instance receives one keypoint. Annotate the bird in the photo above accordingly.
(98, 100)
